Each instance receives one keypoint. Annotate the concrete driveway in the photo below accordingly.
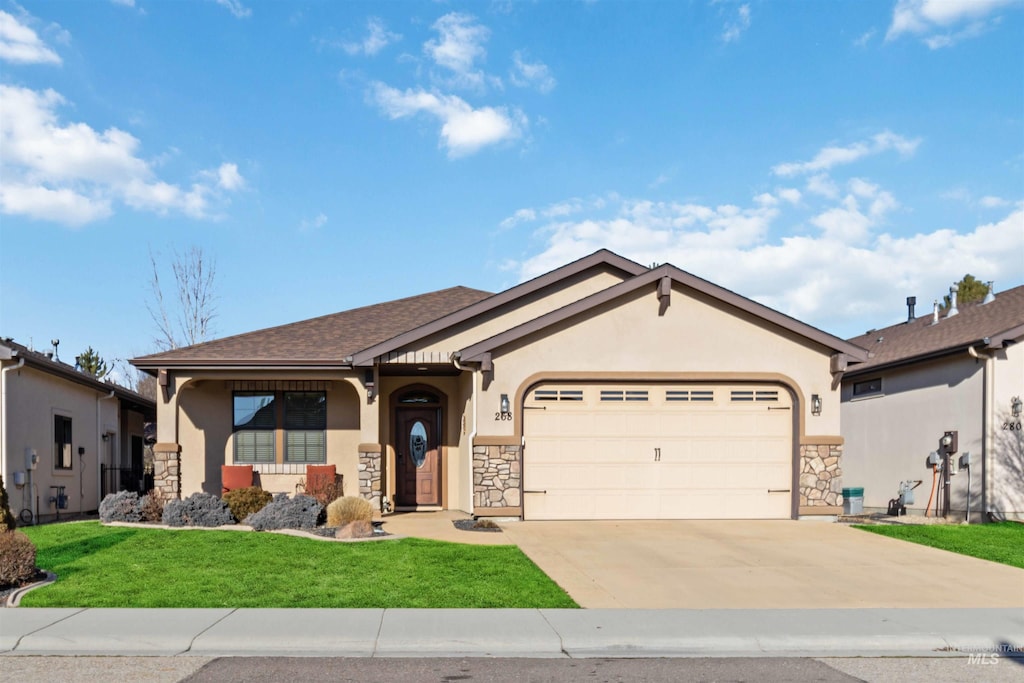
(756, 564)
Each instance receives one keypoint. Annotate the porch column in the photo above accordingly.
(167, 470)
(370, 471)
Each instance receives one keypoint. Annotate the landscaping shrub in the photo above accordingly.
(7, 521)
(123, 506)
(17, 558)
(151, 507)
(247, 501)
(325, 492)
(199, 509)
(349, 509)
(300, 512)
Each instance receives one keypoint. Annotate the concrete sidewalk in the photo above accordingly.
(512, 633)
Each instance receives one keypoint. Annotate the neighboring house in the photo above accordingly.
(603, 389)
(87, 435)
(945, 372)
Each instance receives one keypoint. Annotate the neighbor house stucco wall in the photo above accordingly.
(33, 398)
(889, 436)
(1006, 439)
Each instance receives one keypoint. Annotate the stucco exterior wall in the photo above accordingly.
(533, 306)
(696, 337)
(1006, 439)
(889, 436)
(33, 399)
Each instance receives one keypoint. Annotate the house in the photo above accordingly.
(86, 436)
(960, 370)
(603, 389)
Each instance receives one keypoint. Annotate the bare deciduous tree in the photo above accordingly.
(187, 319)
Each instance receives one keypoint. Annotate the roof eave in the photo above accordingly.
(72, 375)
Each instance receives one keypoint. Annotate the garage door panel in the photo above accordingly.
(716, 457)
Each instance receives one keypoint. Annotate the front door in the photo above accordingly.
(418, 476)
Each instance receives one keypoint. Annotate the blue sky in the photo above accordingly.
(825, 158)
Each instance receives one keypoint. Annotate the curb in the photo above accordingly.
(14, 599)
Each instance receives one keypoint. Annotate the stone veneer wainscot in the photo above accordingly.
(496, 477)
(821, 477)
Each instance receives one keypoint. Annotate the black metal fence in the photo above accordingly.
(116, 479)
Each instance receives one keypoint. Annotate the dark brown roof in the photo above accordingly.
(40, 361)
(327, 340)
(981, 325)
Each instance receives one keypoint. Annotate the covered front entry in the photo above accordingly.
(417, 427)
(658, 451)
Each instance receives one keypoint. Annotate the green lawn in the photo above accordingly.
(1002, 542)
(101, 566)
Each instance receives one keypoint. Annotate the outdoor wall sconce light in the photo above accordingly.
(815, 404)
(1015, 406)
(368, 381)
(505, 407)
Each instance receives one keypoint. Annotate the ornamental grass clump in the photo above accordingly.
(123, 506)
(300, 512)
(199, 509)
(349, 509)
(17, 558)
(247, 501)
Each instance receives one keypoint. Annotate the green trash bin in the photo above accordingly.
(853, 501)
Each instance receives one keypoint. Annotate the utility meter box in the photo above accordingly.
(965, 460)
(933, 459)
(31, 459)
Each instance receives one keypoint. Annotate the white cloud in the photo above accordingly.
(790, 194)
(464, 130)
(992, 202)
(531, 74)
(520, 216)
(236, 8)
(229, 178)
(72, 174)
(318, 221)
(828, 157)
(806, 276)
(20, 44)
(734, 29)
(459, 46)
(823, 186)
(126, 3)
(926, 17)
(377, 38)
(864, 38)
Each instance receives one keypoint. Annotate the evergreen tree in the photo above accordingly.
(91, 364)
(968, 291)
(7, 522)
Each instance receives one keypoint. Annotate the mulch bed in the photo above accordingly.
(5, 591)
(473, 525)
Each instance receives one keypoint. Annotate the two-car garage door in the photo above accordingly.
(657, 451)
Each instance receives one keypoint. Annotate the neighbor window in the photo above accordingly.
(61, 442)
(300, 415)
(868, 387)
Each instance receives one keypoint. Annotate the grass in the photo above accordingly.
(101, 566)
(1002, 542)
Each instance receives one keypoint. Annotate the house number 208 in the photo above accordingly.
(502, 416)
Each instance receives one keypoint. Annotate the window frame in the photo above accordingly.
(60, 462)
(280, 431)
(869, 392)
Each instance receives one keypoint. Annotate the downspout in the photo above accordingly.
(5, 408)
(986, 408)
(99, 449)
(472, 435)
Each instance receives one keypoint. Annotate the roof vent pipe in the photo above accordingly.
(911, 302)
(952, 303)
(991, 296)
(935, 312)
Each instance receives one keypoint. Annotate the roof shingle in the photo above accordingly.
(920, 338)
(327, 339)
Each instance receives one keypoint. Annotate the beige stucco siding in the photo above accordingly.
(888, 437)
(33, 398)
(1006, 439)
(695, 338)
(533, 306)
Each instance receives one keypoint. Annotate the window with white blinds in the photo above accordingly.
(259, 416)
